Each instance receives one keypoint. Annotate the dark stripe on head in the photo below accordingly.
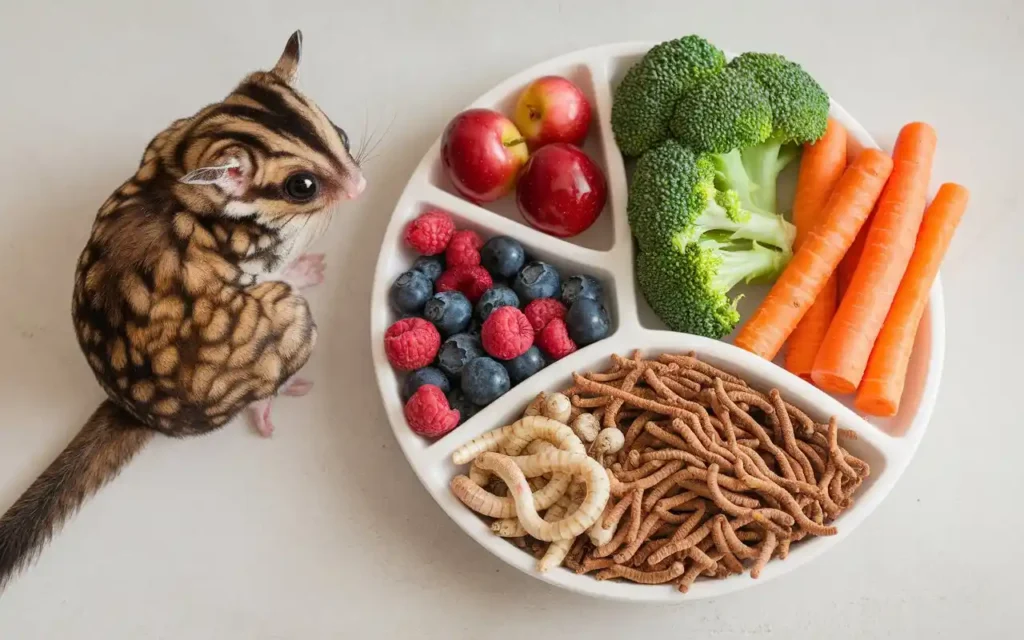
(288, 120)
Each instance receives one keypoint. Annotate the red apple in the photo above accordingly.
(552, 109)
(561, 191)
(482, 152)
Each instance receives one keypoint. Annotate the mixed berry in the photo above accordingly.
(477, 317)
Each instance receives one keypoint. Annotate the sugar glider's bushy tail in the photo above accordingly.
(109, 439)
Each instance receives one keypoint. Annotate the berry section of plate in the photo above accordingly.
(489, 291)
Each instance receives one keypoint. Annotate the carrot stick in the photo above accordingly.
(816, 259)
(847, 266)
(844, 353)
(820, 169)
(880, 390)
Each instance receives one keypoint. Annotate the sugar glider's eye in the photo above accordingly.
(301, 186)
(343, 136)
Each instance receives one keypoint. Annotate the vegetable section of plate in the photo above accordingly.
(655, 321)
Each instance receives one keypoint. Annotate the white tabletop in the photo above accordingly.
(323, 531)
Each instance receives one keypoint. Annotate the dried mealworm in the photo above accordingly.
(765, 554)
(736, 545)
(614, 515)
(788, 435)
(591, 563)
(783, 548)
(835, 453)
(647, 405)
(756, 429)
(646, 549)
(641, 472)
(682, 387)
(642, 577)
(658, 492)
(700, 488)
(702, 447)
(675, 546)
(720, 500)
(635, 429)
(612, 545)
(789, 502)
(731, 562)
(812, 456)
(670, 439)
(689, 577)
(673, 454)
(635, 517)
(677, 501)
(574, 558)
(654, 380)
(646, 529)
(590, 403)
(690, 362)
(612, 410)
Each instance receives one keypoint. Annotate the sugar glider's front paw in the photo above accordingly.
(307, 271)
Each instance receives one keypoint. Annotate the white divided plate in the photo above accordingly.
(606, 251)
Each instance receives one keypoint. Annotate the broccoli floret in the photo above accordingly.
(799, 109)
(799, 104)
(728, 111)
(645, 99)
(676, 195)
(698, 241)
(688, 288)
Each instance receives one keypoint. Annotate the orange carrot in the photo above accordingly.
(844, 274)
(816, 259)
(844, 353)
(880, 390)
(820, 169)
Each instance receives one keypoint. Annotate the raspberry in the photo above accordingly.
(554, 339)
(430, 232)
(471, 281)
(463, 249)
(542, 311)
(411, 343)
(506, 333)
(428, 413)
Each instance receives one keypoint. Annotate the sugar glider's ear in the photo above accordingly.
(229, 176)
(287, 67)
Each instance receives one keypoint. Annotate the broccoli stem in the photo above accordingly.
(765, 228)
(744, 262)
(763, 164)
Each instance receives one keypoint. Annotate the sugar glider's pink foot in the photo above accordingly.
(296, 387)
(307, 271)
(259, 416)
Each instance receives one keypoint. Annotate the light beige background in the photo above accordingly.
(323, 532)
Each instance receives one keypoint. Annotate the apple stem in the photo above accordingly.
(512, 143)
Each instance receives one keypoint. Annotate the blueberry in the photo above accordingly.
(524, 366)
(498, 296)
(536, 280)
(430, 266)
(502, 256)
(410, 292)
(420, 377)
(456, 352)
(457, 400)
(484, 381)
(450, 311)
(576, 287)
(587, 321)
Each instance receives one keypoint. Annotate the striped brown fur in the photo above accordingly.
(187, 301)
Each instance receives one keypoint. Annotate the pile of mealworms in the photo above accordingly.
(713, 475)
